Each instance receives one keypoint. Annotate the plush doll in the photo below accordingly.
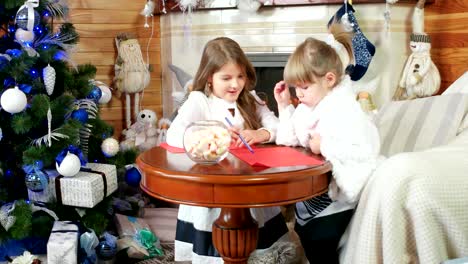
(131, 72)
(420, 77)
(185, 81)
(143, 134)
(163, 126)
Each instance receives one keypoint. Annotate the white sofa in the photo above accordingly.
(414, 209)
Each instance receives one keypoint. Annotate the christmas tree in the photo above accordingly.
(49, 117)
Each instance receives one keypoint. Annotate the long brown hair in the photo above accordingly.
(217, 53)
(313, 58)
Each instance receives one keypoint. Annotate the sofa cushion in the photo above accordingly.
(421, 123)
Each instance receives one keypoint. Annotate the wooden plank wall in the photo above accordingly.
(98, 22)
(447, 24)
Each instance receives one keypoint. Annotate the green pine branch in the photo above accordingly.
(11, 4)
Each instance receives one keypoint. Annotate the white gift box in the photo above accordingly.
(62, 246)
(86, 189)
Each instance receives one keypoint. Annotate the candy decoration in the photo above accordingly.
(49, 75)
(13, 100)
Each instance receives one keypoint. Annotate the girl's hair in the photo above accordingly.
(313, 58)
(217, 53)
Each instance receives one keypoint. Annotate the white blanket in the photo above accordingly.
(414, 209)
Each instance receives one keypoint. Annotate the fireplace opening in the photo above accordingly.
(269, 69)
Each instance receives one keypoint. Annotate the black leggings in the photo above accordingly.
(321, 235)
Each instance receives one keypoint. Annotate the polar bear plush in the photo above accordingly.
(143, 134)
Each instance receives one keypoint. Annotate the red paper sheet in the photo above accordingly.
(275, 157)
(171, 148)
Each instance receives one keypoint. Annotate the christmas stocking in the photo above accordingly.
(363, 49)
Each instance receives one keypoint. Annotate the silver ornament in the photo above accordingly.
(33, 182)
(49, 78)
(22, 18)
(7, 219)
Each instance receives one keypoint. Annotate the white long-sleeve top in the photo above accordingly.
(200, 107)
(349, 139)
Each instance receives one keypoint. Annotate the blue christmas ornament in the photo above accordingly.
(80, 115)
(95, 94)
(105, 251)
(133, 177)
(15, 53)
(22, 18)
(34, 182)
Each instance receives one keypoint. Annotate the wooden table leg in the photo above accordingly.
(235, 235)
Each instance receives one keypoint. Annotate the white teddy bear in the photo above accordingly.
(143, 134)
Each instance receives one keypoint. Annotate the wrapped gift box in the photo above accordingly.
(127, 227)
(62, 246)
(86, 189)
(163, 222)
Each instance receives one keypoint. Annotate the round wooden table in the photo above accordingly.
(232, 185)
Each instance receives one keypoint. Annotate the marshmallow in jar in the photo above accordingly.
(207, 141)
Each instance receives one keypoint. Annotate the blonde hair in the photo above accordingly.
(313, 58)
(217, 53)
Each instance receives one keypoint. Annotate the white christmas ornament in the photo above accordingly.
(70, 165)
(110, 147)
(49, 78)
(106, 93)
(24, 35)
(13, 100)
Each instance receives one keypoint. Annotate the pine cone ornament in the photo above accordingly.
(49, 78)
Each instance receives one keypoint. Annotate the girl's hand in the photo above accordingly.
(252, 137)
(314, 142)
(282, 95)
